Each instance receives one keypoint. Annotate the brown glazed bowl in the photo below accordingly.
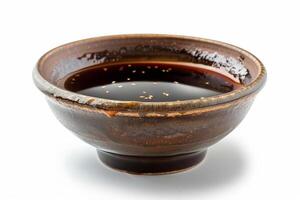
(150, 137)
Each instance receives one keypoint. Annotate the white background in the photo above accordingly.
(40, 159)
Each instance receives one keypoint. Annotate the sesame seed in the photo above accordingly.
(166, 94)
(149, 97)
(128, 79)
(175, 82)
(105, 69)
(144, 92)
(129, 65)
(133, 71)
(207, 83)
(106, 91)
(143, 72)
(120, 86)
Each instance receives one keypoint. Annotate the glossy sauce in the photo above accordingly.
(148, 82)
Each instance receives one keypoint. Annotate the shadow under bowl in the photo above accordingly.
(150, 137)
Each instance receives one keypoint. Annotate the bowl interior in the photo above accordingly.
(219, 57)
(228, 60)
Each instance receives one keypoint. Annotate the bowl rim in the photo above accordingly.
(108, 104)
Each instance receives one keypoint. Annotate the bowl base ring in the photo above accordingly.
(151, 165)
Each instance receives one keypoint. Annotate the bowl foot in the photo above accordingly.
(151, 165)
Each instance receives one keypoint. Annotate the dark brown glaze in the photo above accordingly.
(132, 136)
(151, 165)
(151, 136)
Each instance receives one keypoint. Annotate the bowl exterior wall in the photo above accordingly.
(141, 135)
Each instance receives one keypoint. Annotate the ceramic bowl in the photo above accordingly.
(150, 137)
